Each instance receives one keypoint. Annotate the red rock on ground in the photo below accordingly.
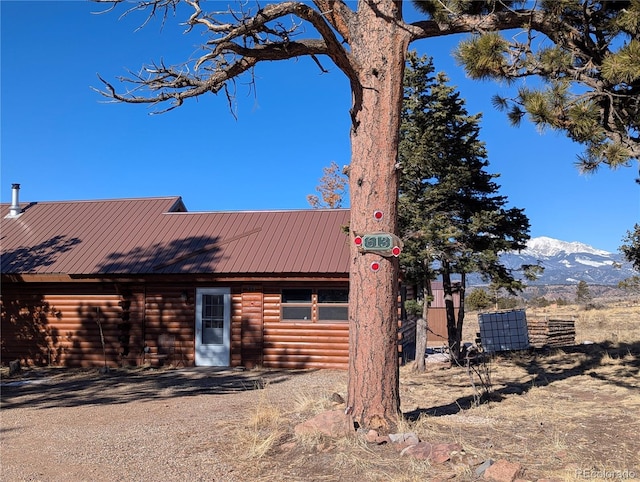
(436, 453)
(333, 423)
(503, 471)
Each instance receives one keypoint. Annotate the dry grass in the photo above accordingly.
(617, 323)
(265, 427)
(556, 413)
(561, 413)
(571, 414)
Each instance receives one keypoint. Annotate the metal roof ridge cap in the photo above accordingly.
(75, 201)
(261, 211)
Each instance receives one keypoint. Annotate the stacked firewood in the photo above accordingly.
(551, 333)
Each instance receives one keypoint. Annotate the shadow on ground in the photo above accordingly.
(540, 365)
(48, 388)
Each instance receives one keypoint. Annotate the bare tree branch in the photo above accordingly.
(464, 23)
(238, 41)
(240, 38)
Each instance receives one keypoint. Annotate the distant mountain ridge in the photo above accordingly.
(549, 247)
(567, 263)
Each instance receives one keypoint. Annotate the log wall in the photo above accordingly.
(96, 324)
(168, 325)
(60, 327)
(247, 324)
(302, 344)
(86, 324)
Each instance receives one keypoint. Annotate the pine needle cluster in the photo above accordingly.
(586, 54)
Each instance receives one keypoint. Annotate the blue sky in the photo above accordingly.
(61, 141)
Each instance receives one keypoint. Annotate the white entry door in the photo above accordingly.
(213, 327)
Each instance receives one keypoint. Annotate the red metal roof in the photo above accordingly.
(152, 236)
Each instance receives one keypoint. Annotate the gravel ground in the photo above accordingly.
(559, 414)
(136, 425)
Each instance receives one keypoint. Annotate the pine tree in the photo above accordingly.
(631, 247)
(478, 299)
(631, 252)
(583, 294)
(595, 44)
(451, 217)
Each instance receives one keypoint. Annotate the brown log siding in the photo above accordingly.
(302, 344)
(58, 327)
(248, 315)
(306, 345)
(168, 324)
(57, 324)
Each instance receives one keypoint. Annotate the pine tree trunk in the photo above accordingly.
(421, 345)
(460, 322)
(378, 48)
(452, 332)
(422, 326)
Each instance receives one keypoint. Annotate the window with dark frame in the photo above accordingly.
(297, 304)
(315, 305)
(333, 304)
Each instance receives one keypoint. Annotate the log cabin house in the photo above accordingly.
(143, 281)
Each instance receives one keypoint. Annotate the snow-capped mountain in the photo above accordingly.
(567, 263)
(549, 247)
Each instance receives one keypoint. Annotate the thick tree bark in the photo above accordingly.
(378, 49)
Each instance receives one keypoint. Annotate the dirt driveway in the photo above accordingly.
(60, 425)
(566, 415)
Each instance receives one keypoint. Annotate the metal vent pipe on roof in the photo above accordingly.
(14, 209)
